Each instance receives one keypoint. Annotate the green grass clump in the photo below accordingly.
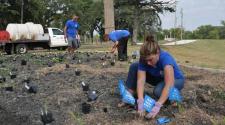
(77, 118)
(219, 94)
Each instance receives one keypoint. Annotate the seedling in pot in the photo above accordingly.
(31, 89)
(23, 62)
(46, 117)
(85, 86)
(12, 75)
(92, 96)
(86, 108)
(2, 79)
(77, 72)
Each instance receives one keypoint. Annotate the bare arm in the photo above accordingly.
(140, 84)
(114, 47)
(65, 28)
(169, 82)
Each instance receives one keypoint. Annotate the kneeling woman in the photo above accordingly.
(158, 68)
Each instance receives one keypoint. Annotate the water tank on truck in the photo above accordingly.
(27, 31)
(21, 35)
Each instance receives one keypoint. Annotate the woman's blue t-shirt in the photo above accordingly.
(164, 59)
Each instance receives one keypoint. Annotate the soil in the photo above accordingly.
(59, 91)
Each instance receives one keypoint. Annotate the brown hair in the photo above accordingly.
(149, 47)
(106, 37)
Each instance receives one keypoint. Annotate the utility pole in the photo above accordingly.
(109, 16)
(181, 25)
(22, 3)
(175, 22)
(175, 19)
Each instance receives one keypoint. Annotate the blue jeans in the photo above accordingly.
(159, 83)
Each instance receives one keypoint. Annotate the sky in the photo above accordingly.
(195, 14)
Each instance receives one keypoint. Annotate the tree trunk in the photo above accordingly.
(135, 28)
(109, 16)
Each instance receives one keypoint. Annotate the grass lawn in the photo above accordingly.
(202, 53)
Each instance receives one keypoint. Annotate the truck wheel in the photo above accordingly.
(21, 48)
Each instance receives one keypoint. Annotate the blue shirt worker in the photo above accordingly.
(120, 39)
(158, 68)
(70, 33)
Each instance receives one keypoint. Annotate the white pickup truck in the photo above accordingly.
(19, 38)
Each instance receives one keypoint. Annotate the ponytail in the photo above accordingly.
(149, 38)
(149, 47)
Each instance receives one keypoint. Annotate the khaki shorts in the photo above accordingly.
(73, 42)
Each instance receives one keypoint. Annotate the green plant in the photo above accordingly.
(223, 120)
(76, 117)
(3, 71)
(39, 62)
(57, 60)
(180, 107)
(219, 94)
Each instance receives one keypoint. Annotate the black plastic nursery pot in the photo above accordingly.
(77, 72)
(47, 118)
(112, 63)
(49, 64)
(105, 110)
(9, 88)
(12, 76)
(67, 66)
(86, 108)
(23, 62)
(33, 89)
(85, 88)
(2, 79)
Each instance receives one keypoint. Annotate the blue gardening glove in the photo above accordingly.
(141, 109)
(155, 111)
